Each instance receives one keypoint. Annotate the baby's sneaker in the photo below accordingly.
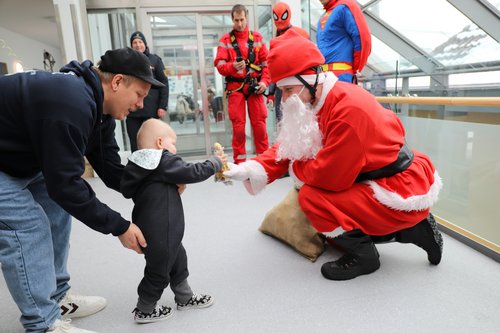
(160, 312)
(197, 301)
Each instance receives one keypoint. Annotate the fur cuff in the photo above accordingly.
(257, 177)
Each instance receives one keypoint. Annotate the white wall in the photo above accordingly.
(16, 47)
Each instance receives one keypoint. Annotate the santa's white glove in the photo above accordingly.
(237, 172)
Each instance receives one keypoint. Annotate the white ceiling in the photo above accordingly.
(32, 18)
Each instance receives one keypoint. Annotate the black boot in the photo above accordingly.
(384, 239)
(361, 257)
(425, 235)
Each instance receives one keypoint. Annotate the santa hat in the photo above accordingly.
(290, 55)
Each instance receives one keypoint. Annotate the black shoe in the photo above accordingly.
(361, 257)
(425, 235)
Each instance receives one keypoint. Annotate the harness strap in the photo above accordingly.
(249, 62)
(312, 89)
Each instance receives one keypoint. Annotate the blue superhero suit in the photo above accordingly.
(343, 38)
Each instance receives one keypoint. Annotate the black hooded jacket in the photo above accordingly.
(150, 179)
(157, 97)
(48, 123)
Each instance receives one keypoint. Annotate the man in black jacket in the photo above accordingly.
(156, 103)
(48, 123)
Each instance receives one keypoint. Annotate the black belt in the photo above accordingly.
(235, 79)
(405, 158)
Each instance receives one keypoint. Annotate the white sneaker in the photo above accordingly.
(64, 326)
(75, 306)
(197, 301)
(160, 312)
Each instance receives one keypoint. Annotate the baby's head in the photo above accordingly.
(156, 134)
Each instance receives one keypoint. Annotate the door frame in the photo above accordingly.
(143, 15)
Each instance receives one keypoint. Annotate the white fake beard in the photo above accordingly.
(299, 136)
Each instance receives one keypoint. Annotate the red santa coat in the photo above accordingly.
(359, 135)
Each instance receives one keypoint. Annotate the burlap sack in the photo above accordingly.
(287, 223)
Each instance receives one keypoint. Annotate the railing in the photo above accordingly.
(467, 157)
(464, 101)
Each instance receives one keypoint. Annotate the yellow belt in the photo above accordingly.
(336, 66)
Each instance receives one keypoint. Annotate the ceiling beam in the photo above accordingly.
(480, 13)
(402, 45)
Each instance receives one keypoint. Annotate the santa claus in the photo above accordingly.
(359, 182)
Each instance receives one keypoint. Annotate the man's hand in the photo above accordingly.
(270, 99)
(181, 188)
(133, 239)
(237, 172)
(262, 88)
(239, 65)
(161, 113)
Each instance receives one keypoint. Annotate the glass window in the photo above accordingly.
(419, 82)
(384, 59)
(495, 3)
(477, 78)
(110, 29)
(453, 41)
(264, 18)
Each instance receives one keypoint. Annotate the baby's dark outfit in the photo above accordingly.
(150, 179)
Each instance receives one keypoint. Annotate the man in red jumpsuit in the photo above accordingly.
(241, 58)
(347, 154)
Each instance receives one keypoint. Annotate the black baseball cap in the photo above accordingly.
(129, 62)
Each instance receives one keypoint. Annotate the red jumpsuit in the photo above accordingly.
(257, 110)
(359, 136)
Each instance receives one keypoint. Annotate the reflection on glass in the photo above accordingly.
(469, 168)
(111, 29)
(384, 59)
(453, 41)
(495, 3)
(175, 41)
(214, 26)
(481, 78)
(264, 17)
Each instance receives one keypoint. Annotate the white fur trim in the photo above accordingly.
(413, 203)
(334, 233)
(293, 81)
(257, 177)
(327, 86)
(147, 159)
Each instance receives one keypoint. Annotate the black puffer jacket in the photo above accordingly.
(157, 97)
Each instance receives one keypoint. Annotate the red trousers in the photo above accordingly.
(354, 208)
(257, 112)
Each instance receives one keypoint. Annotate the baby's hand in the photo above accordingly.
(219, 152)
(223, 157)
(181, 188)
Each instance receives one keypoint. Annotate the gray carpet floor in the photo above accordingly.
(261, 285)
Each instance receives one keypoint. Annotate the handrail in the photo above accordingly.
(468, 101)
